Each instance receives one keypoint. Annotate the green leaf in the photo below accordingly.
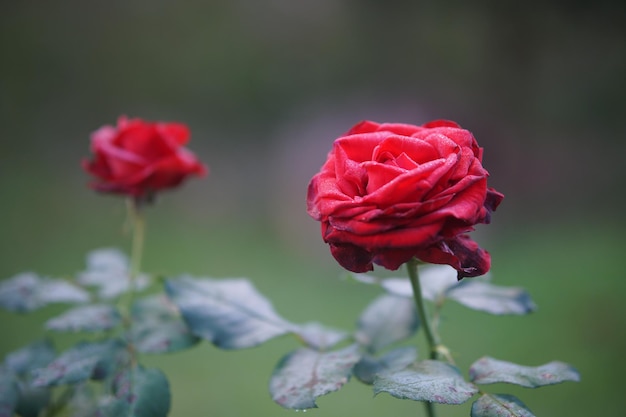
(9, 393)
(83, 401)
(388, 319)
(110, 406)
(398, 286)
(27, 292)
(158, 327)
(22, 362)
(32, 356)
(499, 405)
(230, 313)
(91, 318)
(108, 270)
(428, 380)
(439, 282)
(150, 395)
(369, 367)
(107, 259)
(84, 361)
(31, 400)
(318, 336)
(365, 278)
(306, 374)
(434, 281)
(487, 370)
(484, 296)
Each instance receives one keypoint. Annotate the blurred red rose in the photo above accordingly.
(391, 192)
(139, 158)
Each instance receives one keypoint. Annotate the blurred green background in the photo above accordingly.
(266, 86)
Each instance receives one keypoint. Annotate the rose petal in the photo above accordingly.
(440, 123)
(419, 150)
(462, 253)
(385, 238)
(356, 147)
(366, 126)
(139, 158)
(410, 186)
(399, 128)
(177, 133)
(389, 192)
(394, 259)
(352, 257)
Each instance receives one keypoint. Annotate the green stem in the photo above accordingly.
(430, 409)
(138, 231)
(431, 336)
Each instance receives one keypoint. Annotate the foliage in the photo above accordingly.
(100, 375)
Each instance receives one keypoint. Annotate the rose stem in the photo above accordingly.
(138, 229)
(431, 337)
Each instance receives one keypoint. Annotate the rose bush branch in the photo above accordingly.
(389, 194)
(138, 226)
(135, 159)
(139, 159)
(138, 232)
(392, 194)
(432, 337)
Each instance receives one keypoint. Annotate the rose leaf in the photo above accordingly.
(107, 269)
(368, 367)
(306, 374)
(388, 319)
(230, 313)
(35, 355)
(91, 318)
(110, 406)
(150, 395)
(158, 326)
(428, 380)
(397, 286)
(487, 370)
(21, 362)
(84, 400)
(499, 405)
(401, 287)
(434, 281)
(27, 292)
(85, 360)
(31, 400)
(9, 392)
(484, 296)
(318, 336)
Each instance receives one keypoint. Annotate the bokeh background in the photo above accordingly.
(266, 86)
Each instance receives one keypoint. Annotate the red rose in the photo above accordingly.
(139, 158)
(390, 192)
